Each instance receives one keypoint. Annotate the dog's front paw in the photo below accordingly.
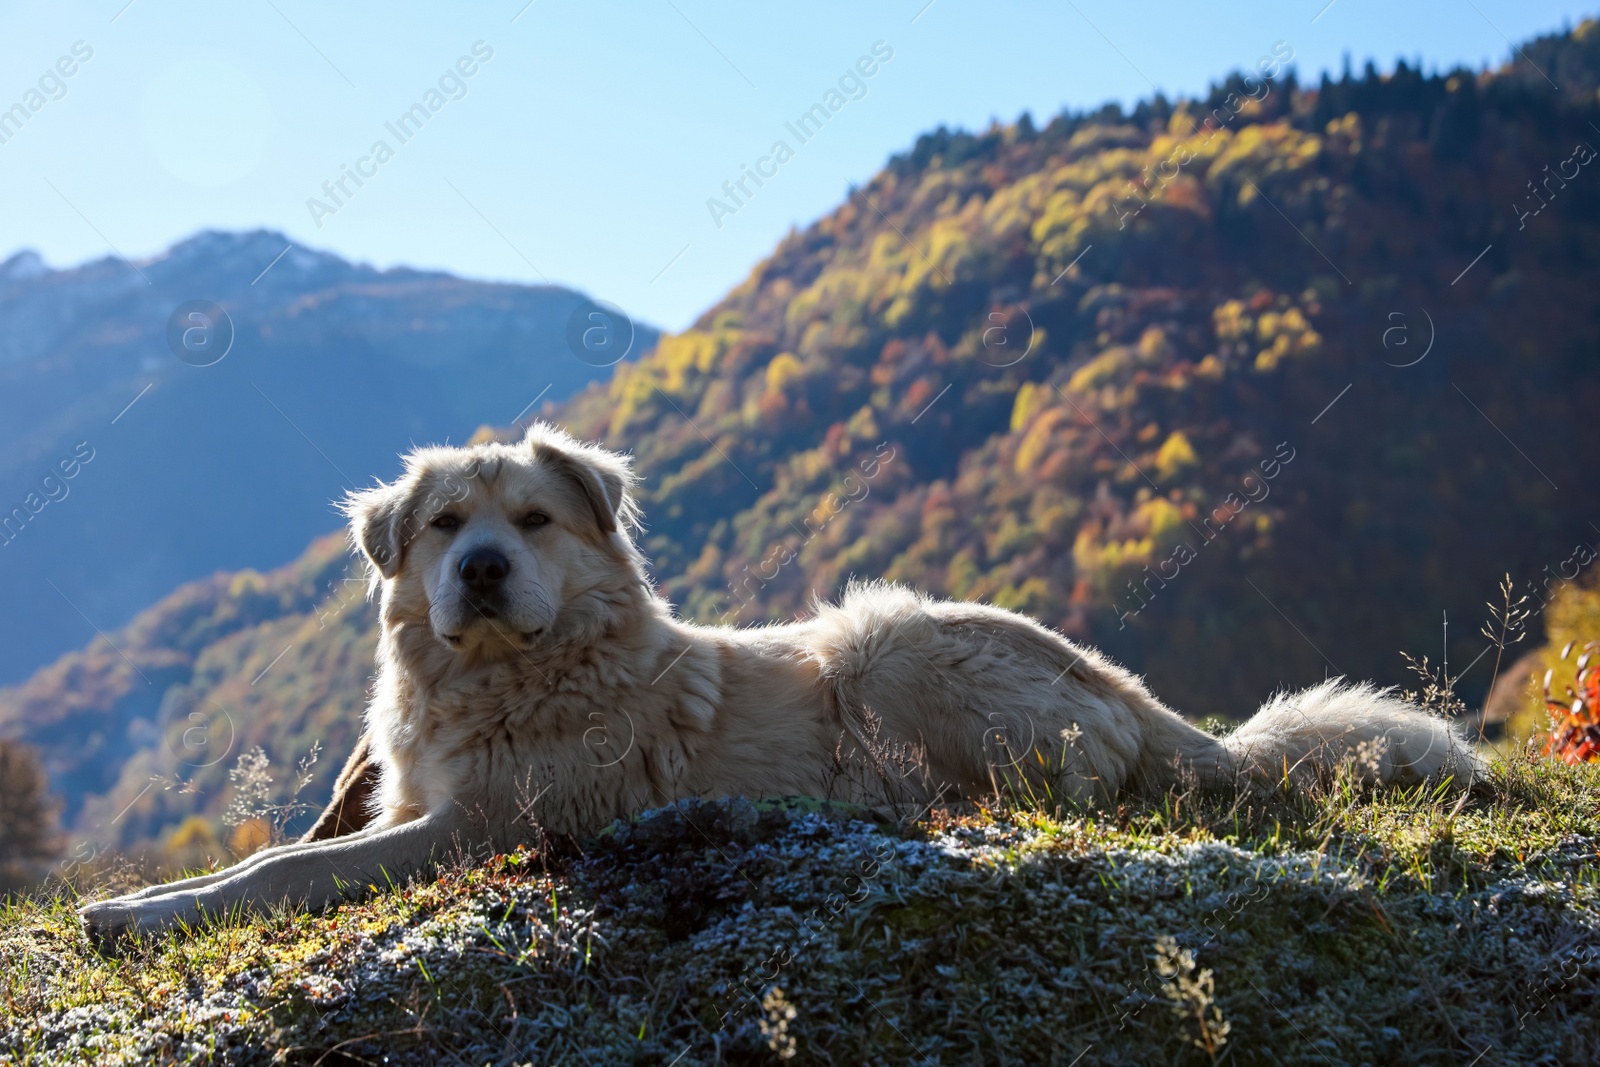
(108, 923)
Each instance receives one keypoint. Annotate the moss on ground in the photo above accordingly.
(1418, 927)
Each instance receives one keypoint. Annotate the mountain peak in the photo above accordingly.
(22, 266)
(248, 252)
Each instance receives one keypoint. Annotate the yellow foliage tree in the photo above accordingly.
(1175, 455)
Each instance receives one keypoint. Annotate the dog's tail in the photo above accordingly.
(1306, 738)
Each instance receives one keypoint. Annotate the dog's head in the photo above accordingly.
(503, 546)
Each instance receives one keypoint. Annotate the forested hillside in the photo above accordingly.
(1248, 390)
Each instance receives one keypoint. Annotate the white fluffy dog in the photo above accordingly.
(530, 680)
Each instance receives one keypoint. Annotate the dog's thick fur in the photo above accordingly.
(568, 695)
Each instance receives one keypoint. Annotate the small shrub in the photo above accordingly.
(28, 834)
(1191, 993)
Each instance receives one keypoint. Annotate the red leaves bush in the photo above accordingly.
(1575, 731)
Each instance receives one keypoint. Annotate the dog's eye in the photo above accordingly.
(447, 523)
(534, 519)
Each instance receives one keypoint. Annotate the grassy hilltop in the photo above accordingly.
(1345, 928)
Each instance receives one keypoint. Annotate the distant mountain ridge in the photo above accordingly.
(333, 368)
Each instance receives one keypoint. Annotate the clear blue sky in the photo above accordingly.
(585, 149)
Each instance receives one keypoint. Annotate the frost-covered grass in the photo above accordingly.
(1349, 928)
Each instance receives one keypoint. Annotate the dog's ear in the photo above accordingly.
(378, 525)
(605, 478)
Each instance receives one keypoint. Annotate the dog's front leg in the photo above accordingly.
(309, 876)
(200, 880)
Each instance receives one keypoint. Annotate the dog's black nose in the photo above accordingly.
(483, 568)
